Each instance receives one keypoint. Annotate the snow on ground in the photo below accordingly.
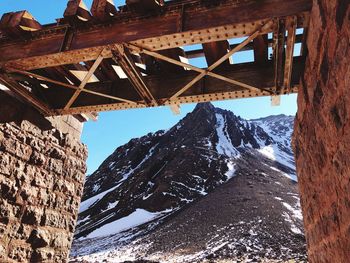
(89, 202)
(293, 227)
(231, 170)
(140, 216)
(224, 145)
(296, 211)
(290, 176)
(274, 153)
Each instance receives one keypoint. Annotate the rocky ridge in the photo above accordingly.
(148, 186)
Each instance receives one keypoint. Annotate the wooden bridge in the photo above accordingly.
(140, 54)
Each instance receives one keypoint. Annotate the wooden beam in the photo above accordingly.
(17, 24)
(103, 9)
(174, 53)
(291, 29)
(156, 32)
(124, 60)
(25, 95)
(278, 53)
(76, 11)
(215, 50)
(144, 6)
(260, 44)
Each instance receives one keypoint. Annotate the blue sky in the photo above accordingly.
(116, 128)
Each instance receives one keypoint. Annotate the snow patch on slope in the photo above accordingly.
(140, 216)
(89, 202)
(224, 145)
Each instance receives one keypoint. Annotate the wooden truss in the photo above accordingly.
(137, 56)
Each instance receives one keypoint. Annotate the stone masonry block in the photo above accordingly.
(36, 143)
(32, 215)
(20, 253)
(18, 149)
(7, 163)
(8, 188)
(44, 255)
(55, 166)
(8, 210)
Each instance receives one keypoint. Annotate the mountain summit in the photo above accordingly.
(148, 182)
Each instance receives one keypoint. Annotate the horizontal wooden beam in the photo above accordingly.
(19, 24)
(201, 24)
(76, 11)
(144, 6)
(103, 9)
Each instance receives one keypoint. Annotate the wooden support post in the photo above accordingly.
(76, 11)
(17, 24)
(260, 45)
(215, 50)
(278, 52)
(124, 60)
(144, 6)
(103, 9)
(291, 25)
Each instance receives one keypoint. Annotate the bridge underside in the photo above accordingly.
(144, 54)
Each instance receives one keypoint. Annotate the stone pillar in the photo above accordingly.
(322, 133)
(41, 181)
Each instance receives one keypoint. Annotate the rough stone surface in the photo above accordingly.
(41, 181)
(322, 133)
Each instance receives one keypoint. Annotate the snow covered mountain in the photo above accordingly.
(139, 193)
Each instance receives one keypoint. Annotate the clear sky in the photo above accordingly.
(116, 128)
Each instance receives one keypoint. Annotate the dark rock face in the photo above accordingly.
(169, 173)
(168, 169)
(322, 133)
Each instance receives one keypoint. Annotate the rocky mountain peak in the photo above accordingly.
(154, 177)
(208, 106)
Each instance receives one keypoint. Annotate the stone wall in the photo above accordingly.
(41, 181)
(322, 133)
